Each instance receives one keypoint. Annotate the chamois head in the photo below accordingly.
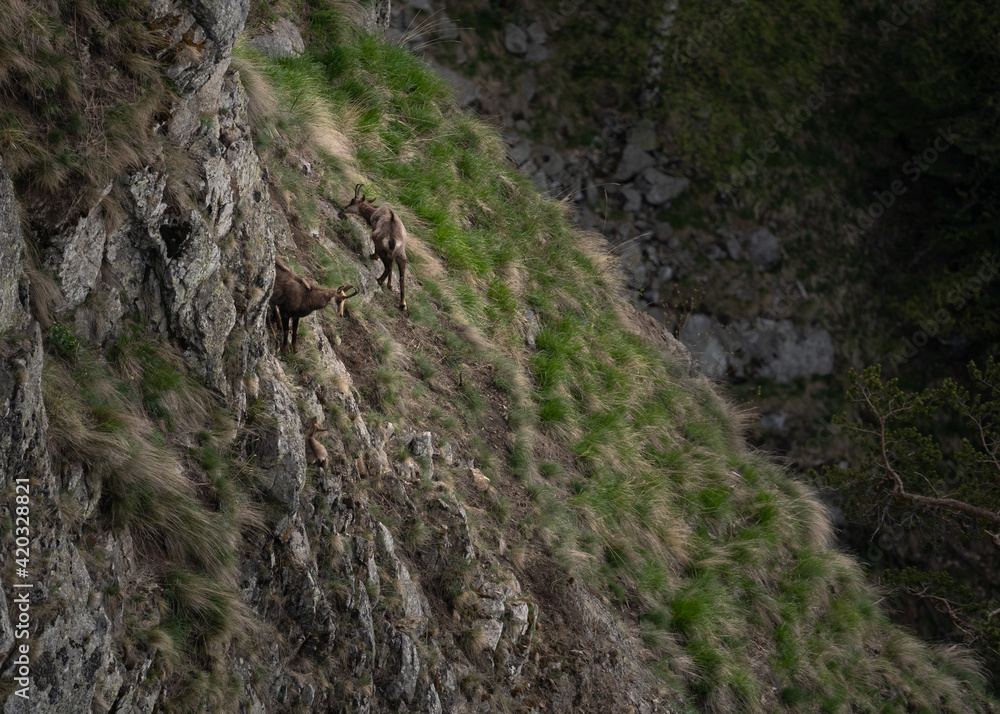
(360, 198)
(343, 295)
(315, 428)
(315, 451)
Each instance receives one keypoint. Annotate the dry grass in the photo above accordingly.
(132, 420)
(61, 125)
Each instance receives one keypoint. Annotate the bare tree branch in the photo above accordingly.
(899, 490)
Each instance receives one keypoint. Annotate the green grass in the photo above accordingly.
(647, 491)
(655, 497)
(126, 418)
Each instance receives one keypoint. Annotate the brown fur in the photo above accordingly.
(389, 236)
(294, 297)
(315, 451)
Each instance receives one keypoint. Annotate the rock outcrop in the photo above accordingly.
(321, 577)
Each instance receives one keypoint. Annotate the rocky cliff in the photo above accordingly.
(178, 552)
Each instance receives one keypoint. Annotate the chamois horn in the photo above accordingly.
(344, 288)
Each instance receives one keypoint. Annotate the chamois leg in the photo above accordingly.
(401, 262)
(284, 329)
(295, 335)
(387, 273)
(273, 321)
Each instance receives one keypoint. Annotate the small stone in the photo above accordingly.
(536, 33)
(733, 248)
(662, 187)
(528, 88)
(551, 161)
(492, 629)
(531, 332)
(466, 91)
(644, 136)
(774, 421)
(447, 454)
(633, 199)
(633, 160)
(763, 249)
(713, 251)
(489, 608)
(518, 612)
(515, 39)
(536, 54)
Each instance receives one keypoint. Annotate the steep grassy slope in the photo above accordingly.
(638, 478)
(611, 464)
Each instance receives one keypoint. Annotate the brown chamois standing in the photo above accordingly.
(389, 237)
(293, 297)
(315, 451)
(343, 296)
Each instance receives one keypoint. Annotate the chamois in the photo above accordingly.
(343, 296)
(293, 297)
(388, 234)
(315, 451)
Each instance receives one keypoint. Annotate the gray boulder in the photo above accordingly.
(536, 54)
(536, 33)
(705, 340)
(776, 349)
(466, 92)
(644, 136)
(633, 160)
(662, 187)
(515, 39)
(282, 39)
(763, 249)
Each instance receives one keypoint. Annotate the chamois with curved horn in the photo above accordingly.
(315, 451)
(343, 295)
(389, 237)
(294, 297)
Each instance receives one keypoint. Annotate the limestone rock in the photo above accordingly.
(633, 161)
(531, 328)
(466, 91)
(491, 631)
(643, 135)
(536, 54)
(281, 39)
(701, 335)
(222, 20)
(633, 198)
(661, 187)
(777, 349)
(280, 451)
(75, 256)
(536, 33)
(763, 249)
(515, 39)
(403, 662)
(11, 251)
